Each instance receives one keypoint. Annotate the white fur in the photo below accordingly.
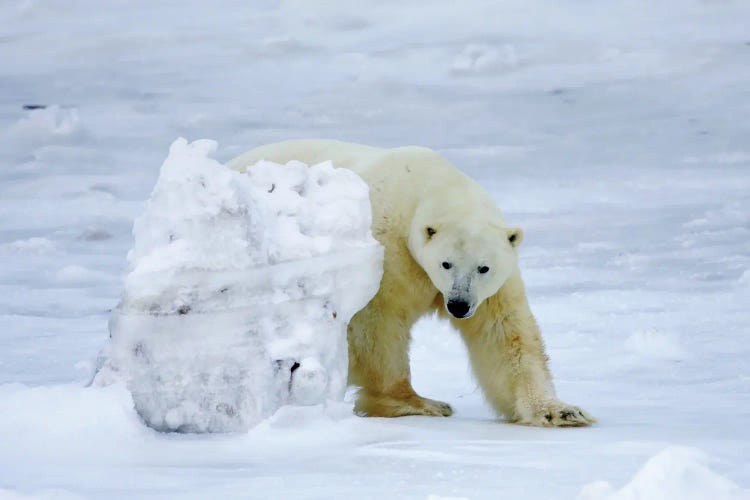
(426, 212)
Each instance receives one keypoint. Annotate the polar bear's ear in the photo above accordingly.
(515, 236)
(430, 232)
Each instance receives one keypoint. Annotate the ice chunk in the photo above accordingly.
(239, 290)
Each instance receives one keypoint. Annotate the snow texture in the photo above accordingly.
(676, 472)
(615, 133)
(239, 290)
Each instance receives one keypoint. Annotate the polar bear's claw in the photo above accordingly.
(437, 408)
(560, 415)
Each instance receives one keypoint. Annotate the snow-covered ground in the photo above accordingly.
(616, 133)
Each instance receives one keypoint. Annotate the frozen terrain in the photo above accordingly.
(615, 133)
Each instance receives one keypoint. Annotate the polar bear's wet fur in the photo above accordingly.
(447, 248)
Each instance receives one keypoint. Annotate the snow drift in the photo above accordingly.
(675, 472)
(239, 290)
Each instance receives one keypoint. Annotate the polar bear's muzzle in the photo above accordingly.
(460, 309)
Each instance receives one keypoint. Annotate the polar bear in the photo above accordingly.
(447, 248)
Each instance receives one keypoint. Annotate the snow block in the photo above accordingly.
(239, 291)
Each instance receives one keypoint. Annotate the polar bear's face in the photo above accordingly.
(467, 264)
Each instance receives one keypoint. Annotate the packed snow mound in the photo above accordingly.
(239, 290)
(676, 472)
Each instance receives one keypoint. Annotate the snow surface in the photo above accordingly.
(615, 133)
(239, 291)
(676, 472)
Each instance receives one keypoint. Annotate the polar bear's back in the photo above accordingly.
(342, 154)
(399, 178)
(362, 159)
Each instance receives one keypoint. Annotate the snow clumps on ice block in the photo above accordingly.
(239, 291)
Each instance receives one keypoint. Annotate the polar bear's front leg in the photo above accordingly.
(523, 369)
(379, 363)
(508, 359)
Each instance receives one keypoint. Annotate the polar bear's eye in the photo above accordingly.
(483, 269)
(447, 265)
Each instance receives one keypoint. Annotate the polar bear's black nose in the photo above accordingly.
(458, 308)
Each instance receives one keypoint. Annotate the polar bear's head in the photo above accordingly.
(466, 260)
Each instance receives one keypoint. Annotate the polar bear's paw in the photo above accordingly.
(435, 408)
(558, 414)
(380, 405)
